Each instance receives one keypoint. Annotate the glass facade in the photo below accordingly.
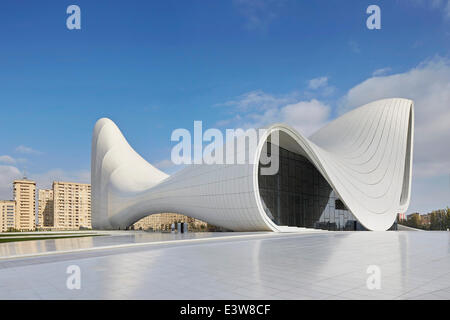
(298, 195)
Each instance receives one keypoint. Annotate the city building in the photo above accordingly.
(25, 198)
(164, 221)
(412, 215)
(425, 219)
(352, 174)
(401, 217)
(7, 215)
(71, 205)
(45, 208)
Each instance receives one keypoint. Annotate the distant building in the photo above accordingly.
(401, 217)
(426, 219)
(71, 205)
(45, 208)
(163, 222)
(25, 198)
(410, 216)
(7, 215)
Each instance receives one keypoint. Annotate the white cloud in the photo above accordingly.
(306, 116)
(45, 180)
(7, 175)
(433, 4)
(26, 150)
(7, 159)
(354, 46)
(319, 87)
(430, 193)
(440, 5)
(226, 122)
(258, 13)
(381, 72)
(447, 10)
(258, 99)
(257, 109)
(317, 83)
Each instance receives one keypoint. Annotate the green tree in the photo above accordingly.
(415, 221)
(448, 217)
(439, 220)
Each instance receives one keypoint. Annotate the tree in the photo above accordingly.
(415, 221)
(439, 220)
(448, 218)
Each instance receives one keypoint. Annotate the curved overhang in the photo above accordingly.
(365, 156)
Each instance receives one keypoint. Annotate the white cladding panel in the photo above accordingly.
(365, 155)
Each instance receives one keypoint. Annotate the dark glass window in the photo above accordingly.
(339, 205)
(298, 195)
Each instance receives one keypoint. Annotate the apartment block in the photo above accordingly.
(71, 205)
(425, 219)
(45, 208)
(7, 213)
(25, 198)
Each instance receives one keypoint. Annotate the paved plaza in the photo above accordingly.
(314, 265)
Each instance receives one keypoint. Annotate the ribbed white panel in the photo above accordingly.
(365, 155)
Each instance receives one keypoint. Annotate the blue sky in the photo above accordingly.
(154, 66)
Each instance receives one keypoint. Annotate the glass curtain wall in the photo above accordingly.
(298, 195)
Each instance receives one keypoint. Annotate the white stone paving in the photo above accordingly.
(330, 265)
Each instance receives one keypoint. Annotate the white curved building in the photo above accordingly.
(355, 172)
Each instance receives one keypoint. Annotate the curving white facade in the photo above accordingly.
(365, 156)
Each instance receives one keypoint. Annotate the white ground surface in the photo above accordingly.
(328, 265)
